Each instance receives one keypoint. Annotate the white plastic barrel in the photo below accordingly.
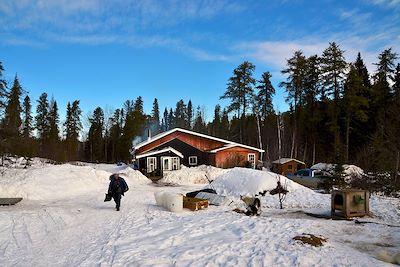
(159, 197)
(175, 203)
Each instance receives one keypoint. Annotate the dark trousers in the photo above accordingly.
(117, 199)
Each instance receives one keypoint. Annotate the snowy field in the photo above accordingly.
(63, 221)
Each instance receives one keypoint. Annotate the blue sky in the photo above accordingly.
(104, 52)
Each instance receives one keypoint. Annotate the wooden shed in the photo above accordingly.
(287, 165)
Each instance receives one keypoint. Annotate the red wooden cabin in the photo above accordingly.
(168, 150)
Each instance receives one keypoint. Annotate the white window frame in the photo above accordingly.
(151, 166)
(193, 158)
(252, 161)
(175, 163)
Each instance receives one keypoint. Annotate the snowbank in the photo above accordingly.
(192, 175)
(248, 182)
(60, 181)
(349, 171)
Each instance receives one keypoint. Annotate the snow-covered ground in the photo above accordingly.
(63, 221)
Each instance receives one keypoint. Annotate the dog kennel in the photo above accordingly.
(349, 203)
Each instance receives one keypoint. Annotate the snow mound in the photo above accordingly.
(349, 171)
(248, 182)
(60, 181)
(192, 175)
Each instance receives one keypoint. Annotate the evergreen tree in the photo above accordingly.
(72, 126)
(171, 120)
(27, 118)
(3, 90)
(189, 115)
(216, 123)
(294, 85)
(240, 88)
(115, 135)
(54, 132)
(165, 121)
(199, 123)
(265, 94)
(155, 117)
(95, 140)
(180, 114)
(396, 85)
(42, 119)
(355, 102)
(240, 92)
(311, 118)
(27, 128)
(333, 69)
(12, 116)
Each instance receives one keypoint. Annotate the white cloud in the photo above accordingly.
(386, 3)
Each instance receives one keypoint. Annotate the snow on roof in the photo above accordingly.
(233, 145)
(160, 151)
(286, 160)
(161, 135)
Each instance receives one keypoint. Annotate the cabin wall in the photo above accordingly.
(235, 156)
(200, 143)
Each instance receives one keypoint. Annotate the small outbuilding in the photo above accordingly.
(287, 165)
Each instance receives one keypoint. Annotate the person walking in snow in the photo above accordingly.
(117, 188)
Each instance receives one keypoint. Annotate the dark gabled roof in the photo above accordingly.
(228, 143)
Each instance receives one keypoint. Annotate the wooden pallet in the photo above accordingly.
(9, 201)
(194, 203)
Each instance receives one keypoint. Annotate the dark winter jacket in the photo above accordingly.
(118, 186)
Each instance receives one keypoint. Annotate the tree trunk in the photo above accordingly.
(313, 156)
(347, 139)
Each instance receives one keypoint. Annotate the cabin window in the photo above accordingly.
(289, 167)
(251, 157)
(151, 164)
(175, 163)
(193, 160)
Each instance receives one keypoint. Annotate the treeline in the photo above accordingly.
(338, 113)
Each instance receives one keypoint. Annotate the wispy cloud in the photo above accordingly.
(385, 3)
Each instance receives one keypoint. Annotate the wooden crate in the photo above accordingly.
(194, 203)
(349, 203)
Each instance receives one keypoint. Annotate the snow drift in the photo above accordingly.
(61, 181)
(192, 175)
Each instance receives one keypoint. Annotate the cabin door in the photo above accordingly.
(166, 163)
(170, 163)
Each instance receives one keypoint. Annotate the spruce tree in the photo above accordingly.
(95, 140)
(180, 114)
(155, 117)
(265, 94)
(27, 118)
(12, 116)
(72, 126)
(3, 90)
(189, 115)
(355, 103)
(42, 119)
(54, 138)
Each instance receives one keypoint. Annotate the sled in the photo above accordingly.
(10, 201)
